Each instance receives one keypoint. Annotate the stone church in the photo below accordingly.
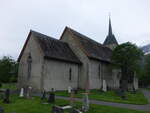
(74, 60)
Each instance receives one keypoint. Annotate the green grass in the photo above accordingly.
(148, 89)
(11, 86)
(110, 96)
(21, 105)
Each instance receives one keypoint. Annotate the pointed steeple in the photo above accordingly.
(110, 39)
(110, 28)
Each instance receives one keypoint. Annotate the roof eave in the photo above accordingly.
(64, 60)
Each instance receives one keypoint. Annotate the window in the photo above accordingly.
(70, 74)
(29, 61)
(99, 70)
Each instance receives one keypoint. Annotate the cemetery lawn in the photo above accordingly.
(148, 89)
(110, 96)
(11, 86)
(21, 105)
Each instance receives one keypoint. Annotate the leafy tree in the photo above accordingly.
(8, 69)
(145, 76)
(126, 57)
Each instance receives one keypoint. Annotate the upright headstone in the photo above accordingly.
(29, 92)
(6, 96)
(75, 91)
(21, 92)
(51, 98)
(1, 110)
(72, 98)
(85, 106)
(43, 97)
(135, 82)
(104, 88)
(69, 89)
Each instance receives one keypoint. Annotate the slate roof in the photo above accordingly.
(110, 39)
(55, 49)
(92, 48)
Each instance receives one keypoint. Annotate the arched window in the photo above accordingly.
(29, 62)
(70, 74)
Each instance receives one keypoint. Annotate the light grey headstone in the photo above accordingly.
(21, 92)
(104, 88)
(69, 89)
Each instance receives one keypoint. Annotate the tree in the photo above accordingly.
(8, 69)
(145, 76)
(126, 57)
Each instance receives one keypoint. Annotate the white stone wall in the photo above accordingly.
(36, 70)
(56, 75)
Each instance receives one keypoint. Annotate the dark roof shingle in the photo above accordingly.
(92, 48)
(55, 49)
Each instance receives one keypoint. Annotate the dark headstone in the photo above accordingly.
(25, 91)
(1, 110)
(75, 91)
(43, 95)
(51, 98)
(57, 109)
(6, 96)
(120, 93)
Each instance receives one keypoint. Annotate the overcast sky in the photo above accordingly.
(130, 20)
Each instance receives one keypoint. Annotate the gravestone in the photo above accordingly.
(6, 96)
(75, 91)
(72, 98)
(121, 93)
(21, 92)
(29, 92)
(1, 110)
(58, 109)
(85, 105)
(104, 88)
(51, 98)
(43, 95)
(69, 89)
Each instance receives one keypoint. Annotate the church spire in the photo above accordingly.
(110, 28)
(110, 40)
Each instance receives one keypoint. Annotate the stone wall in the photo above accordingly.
(37, 59)
(95, 74)
(99, 71)
(76, 48)
(56, 75)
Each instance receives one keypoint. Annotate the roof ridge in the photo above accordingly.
(84, 36)
(41, 35)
